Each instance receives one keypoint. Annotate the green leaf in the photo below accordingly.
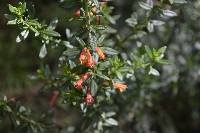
(180, 1)
(93, 87)
(43, 51)
(109, 51)
(169, 13)
(23, 8)
(103, 76)
(9, 17)
(150, 27)
(51, 33)
(133, 20)
(101, 39)
(22, 36)
(157, 22)
(103, 65)
(149, 52)
(12, 8)
(111, 122)
(153, 71)
(81, 42)
(71, 52)
(162, 50)
(119, 75)
(164, 62)
(67, 44)
(145, 6)
(12, 22)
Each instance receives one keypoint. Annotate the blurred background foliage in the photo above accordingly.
(166, 104)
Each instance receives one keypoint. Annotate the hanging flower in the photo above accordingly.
(79, 83)
(86, 58)
(100, 53)
(89, 100)
(120, 86)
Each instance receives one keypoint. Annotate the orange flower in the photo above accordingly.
(100, 53)
(120, 86)
(85, 76)
(86, 58)
(89, 100)
(79, 83)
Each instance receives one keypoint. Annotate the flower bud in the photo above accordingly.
(89, 100)
(100, 53)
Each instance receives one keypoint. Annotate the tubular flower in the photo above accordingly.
(79, 83)
(86, 58)
(120, 86)
(85, 76)
(89, 100)
(100, 53)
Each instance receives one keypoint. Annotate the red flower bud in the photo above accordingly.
(100, 53)
(89, 100)
(77, 13)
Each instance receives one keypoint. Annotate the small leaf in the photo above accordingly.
(93, 87)
(110, 114)
(71, 52)
(111, 122)
(162, 50)
(157, 22)
(12, 22)
(150, 27)
(149, 52)
(180, 1)
(103, 65)
(153, 71)
(22, 36)
(67, 32)
(101, 39)
(81, 42)
(12, 8)
(23, 8)
(103, 76)
(164, 62)
(9, 17)
(51, 32)
(169, 13)
(145, 6)
(43, 51)
(109, 51)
